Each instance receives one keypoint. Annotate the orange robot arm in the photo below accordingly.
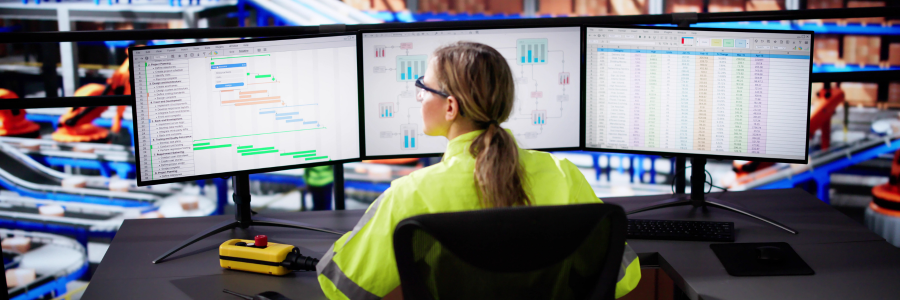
(12, 121)
(822, 111)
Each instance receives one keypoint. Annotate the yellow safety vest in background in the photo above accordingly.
(361, 264)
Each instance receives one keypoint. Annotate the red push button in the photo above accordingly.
(260, 241)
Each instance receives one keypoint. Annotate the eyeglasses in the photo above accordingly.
(420, 86)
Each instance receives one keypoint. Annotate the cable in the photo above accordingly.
(708, 175)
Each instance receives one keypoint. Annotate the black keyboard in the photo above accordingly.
(681, 230)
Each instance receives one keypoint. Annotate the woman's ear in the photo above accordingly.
(452, 109)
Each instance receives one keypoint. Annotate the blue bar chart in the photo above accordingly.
(532, 51)
(539, 117)
(409, 135)
(411, 67)
(386, 109)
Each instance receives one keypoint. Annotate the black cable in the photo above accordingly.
(708, 175)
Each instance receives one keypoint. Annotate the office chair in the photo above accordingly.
(540, 252)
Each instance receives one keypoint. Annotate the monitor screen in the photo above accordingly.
(733, 94)
(544, 62)
(244, 105)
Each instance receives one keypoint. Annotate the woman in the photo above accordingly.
(466, 93)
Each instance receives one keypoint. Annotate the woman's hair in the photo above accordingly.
(480, 79)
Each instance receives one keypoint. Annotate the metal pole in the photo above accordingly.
(339, 197)
(68, 53)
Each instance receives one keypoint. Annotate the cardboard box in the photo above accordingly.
(870, 52)
(850, 45)
(434, 6)
(858, 3)
(504, 7)
(359, 4)
(859, 93)
(894, 92)
(894, 54)
(388, 5)
(823, 4)
(680, 6)
(826, 49)
(820, 4)
(591, 7)
(556, 7)
(726, 5)
(761, 5)
(628, 7)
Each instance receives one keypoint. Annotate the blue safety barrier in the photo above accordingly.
(822, 174)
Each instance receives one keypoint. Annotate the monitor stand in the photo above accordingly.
(241, 218)
(698, 199)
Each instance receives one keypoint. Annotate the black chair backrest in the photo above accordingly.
(540, 252)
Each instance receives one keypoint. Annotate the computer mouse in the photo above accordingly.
(769, 253)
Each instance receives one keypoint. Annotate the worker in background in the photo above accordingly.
(467, 92)
(320, 181)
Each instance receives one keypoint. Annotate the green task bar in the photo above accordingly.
(304, 155)
(244, 147)
(316, 157)
(264, 76)
(259, 152)
(201, 144)
(299, 152)
(212, 147)
(254, 150)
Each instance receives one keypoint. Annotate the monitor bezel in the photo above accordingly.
(137, 156)
(360, 51)
(812, 35)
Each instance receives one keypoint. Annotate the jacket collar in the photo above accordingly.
(460, 144)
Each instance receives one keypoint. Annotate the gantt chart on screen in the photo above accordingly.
(240, 106)
(698, 92)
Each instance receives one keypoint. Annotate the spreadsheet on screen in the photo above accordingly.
(727, 93)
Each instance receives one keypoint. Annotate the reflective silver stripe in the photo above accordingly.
(627, 258)
(330, 269)
(366, 217)
(325, 260)
(344, 284)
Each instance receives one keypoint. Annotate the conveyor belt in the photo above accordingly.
(820, 166)
(24, 171)
(31, 179)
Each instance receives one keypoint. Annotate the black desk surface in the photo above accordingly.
(850, 261)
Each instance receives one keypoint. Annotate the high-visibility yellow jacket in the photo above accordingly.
(361, 264)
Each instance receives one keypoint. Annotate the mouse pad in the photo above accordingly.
(743, 259)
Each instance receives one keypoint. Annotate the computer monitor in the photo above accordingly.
(734, 94)
(213, 109)
(704, 93)
(545, 62)
(231, 108)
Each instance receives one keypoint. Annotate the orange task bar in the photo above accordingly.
(278, 98)
(254, 103)
(245, 96)
(252, 92)
(227, 91)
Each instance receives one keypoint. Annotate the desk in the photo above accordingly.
(850, 261)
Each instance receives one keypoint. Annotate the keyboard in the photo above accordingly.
(681, 230)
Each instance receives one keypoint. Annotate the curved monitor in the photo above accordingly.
(545, 62)
(214, 109)
(736, 94)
